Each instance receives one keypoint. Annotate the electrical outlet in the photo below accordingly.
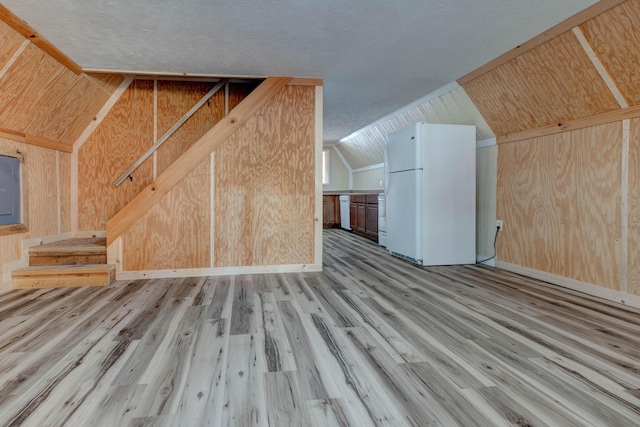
(499, 224)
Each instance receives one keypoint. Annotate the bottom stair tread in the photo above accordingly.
(63, 276)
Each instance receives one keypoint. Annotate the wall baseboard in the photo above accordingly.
(576, 285)
(217, 271)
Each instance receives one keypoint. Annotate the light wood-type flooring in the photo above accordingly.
(370, 341)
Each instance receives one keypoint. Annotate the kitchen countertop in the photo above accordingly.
(351, 192)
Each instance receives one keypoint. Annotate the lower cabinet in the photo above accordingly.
(363, 214)
(330, 211)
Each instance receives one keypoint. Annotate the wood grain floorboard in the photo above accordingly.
(372, 340)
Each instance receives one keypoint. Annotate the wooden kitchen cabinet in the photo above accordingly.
(361, 219)
(364, 215)
(371, 221)
(330, 211)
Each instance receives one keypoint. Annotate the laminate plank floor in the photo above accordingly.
(370, 341)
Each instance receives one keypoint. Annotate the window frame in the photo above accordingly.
(326, 166)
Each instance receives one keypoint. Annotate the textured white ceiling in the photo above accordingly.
(374, 56)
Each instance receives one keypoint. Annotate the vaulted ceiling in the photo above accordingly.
(374, 56)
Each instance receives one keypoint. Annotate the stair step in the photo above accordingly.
(70, 252)
(63, 276)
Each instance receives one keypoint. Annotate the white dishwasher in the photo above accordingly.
(345, 202)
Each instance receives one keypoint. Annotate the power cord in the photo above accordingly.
(495, 251)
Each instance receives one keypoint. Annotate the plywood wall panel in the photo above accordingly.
(11, 247)
(41, 97)
(264, 185)
(615, 37)
(11, 41)
(22, 85)
(43, 192)
(633, 243)
(559, 198)
(66, 105)
(42, 197)
(65, 192)
(124, 134)
(174, 100)
(108, 83)
(176, 232)
(551, 83)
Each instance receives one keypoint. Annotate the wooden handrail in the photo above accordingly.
(170, 132)
(191, 158)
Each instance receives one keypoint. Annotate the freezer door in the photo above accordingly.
(404, 204)
(403, 151)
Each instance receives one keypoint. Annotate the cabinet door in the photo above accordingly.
(361, 218)
(325, 210)
(336, 211)
(372, 221)
(330, 211)
(353, 214)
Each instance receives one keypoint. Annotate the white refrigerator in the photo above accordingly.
(431, 194)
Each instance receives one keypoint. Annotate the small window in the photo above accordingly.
(325, 167)
(9, 190)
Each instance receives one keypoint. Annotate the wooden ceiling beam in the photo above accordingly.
(566, 25)
(25, 29)
(584, 122)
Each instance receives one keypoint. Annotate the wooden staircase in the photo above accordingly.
(67, 263)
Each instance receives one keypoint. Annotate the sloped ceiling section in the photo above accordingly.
(615, 38)
(41, 97)
(553, 82)
(366, 147)
(559, 81)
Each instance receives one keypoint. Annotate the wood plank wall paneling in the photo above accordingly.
(125, 133)
(366, 147)
(551, 83)
(633, 257)
(559, 198)
(615, 37)
(174, 100)
(264, 185)
(176, 232)
(364, 152)
(11, 41)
